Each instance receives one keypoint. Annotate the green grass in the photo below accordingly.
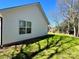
(55, 47)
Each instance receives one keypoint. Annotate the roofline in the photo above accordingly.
(20, 6)
(43, 13)
(36, 3)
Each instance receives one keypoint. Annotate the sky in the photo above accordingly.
(49, 6)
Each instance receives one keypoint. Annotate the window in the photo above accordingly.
(28, 27)
(24, 27)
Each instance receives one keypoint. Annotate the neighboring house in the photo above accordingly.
(22, 23)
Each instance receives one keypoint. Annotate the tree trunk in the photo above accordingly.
(74, 31)
(78, 28)
(68, 27)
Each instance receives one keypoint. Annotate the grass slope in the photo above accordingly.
(55, 47)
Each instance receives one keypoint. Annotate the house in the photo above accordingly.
(22, 23)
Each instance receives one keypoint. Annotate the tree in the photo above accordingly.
(55, 18)
(69, 10)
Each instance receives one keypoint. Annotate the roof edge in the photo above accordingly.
(30, 4)
(44, 13)
(20, 6)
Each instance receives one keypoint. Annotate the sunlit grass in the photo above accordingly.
(58, 46)
(61, 34)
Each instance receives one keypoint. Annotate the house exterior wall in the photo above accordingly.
(0, 30)
(11, 20)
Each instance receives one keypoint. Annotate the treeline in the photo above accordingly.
(69, 9)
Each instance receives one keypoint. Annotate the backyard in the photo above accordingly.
(52, 47)
(27, 20)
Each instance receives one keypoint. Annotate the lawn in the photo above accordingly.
(53, 47)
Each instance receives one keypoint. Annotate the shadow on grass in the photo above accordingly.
(54, 43)
(24, 55)
(21, 55)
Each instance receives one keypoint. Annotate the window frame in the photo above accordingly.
(22, 26)
(27, 28)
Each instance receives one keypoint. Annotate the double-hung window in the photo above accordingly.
(24, 27)
(28, 27)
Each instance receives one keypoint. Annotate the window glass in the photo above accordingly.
(28, 27)
(28, 24)
(22, 24)
(28, 30)
(22, 27)
(22, 30)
